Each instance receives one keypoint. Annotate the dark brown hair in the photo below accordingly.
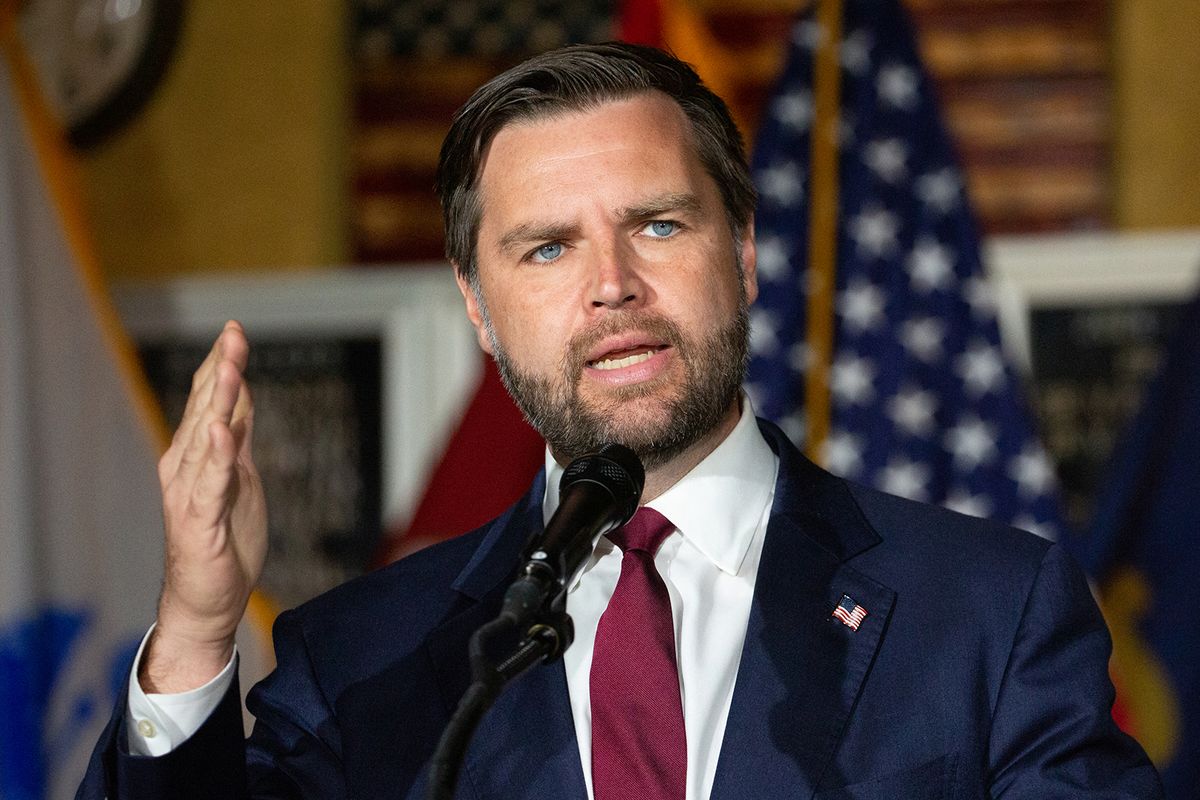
(577, 78)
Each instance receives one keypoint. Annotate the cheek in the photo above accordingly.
(712, 300)
(531, 332)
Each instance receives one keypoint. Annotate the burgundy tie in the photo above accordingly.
(639, 749)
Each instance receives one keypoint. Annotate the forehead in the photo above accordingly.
(649, 105)
(646, 136)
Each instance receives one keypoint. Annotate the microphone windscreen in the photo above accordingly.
(613, 466)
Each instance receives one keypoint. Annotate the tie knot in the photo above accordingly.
(646, 531)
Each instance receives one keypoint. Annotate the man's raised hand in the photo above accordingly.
(216, 524)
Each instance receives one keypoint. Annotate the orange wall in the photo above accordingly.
(239, 161)
(1156, 71)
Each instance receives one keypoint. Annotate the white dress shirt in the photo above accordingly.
(158, 723)
(709, 564)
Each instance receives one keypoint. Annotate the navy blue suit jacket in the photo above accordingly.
(979, 671)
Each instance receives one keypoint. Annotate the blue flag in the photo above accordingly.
(924, 404)
(1143, 547)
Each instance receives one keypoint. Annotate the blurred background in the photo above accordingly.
(274, 162)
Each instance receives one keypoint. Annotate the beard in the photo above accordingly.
(656, 419)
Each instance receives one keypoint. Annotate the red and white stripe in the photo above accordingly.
(850, 618)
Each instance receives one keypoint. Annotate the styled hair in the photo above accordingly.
(581, 78)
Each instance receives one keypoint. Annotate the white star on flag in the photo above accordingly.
(923, 338)
(905, 478)
(962, 501)
(856, 52)
(981, 368)
(773, 262)
(887, 158)
(930, 265)
(800, 356)
(861, 306)
(794, 426)
(851, 379)
(841, 453)
(874, 231)
(781, 184)
(808, 34)
(897, 86)
(1032, 471)
(972, 442)
(940, 190)
(912, 410)
(794, 109)
(764, 332)
(978, 294)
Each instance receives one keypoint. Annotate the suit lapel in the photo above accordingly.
(801, 669)
(800, 674)
(525, 745)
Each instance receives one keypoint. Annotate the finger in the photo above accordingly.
(227, 386)
(230, 345)
(200, 388)
(201, 379)
(188, 443)
(234, 344)
(242, 423)
(209, 502)
(227, 383)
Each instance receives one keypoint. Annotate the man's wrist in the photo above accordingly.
(172, 664)
(158, 723)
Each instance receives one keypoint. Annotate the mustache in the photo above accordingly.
(656, 325)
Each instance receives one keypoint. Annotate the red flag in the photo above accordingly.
(640, 22)
(488, 464)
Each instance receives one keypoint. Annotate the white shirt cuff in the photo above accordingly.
(158, 723)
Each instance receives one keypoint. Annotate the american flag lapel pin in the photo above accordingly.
(850, 613)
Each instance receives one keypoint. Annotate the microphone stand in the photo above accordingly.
(494, 666)
(598, 493)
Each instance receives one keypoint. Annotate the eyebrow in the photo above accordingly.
(663, 204)
(528, 233)
(531, 232)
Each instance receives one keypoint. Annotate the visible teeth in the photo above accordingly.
(617, 363)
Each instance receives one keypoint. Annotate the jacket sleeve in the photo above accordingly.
(285, 758)
(209, 764)
(294, 750)
(1053, 734)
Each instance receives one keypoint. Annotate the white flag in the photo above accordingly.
(80, 514)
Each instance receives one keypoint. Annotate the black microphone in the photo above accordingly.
(598, 493)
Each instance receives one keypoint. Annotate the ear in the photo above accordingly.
(474, 314)
(749, 262)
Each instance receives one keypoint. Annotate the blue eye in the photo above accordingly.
(548, 252)
(661, 228)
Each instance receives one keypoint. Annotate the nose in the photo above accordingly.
(616, 279)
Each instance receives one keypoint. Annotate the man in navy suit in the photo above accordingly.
(826, 640)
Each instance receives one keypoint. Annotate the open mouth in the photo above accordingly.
(626, 357)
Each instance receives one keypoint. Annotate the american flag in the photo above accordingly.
(849, 612)
(924, 404)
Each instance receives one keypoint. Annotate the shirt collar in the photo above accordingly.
(718, 506)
